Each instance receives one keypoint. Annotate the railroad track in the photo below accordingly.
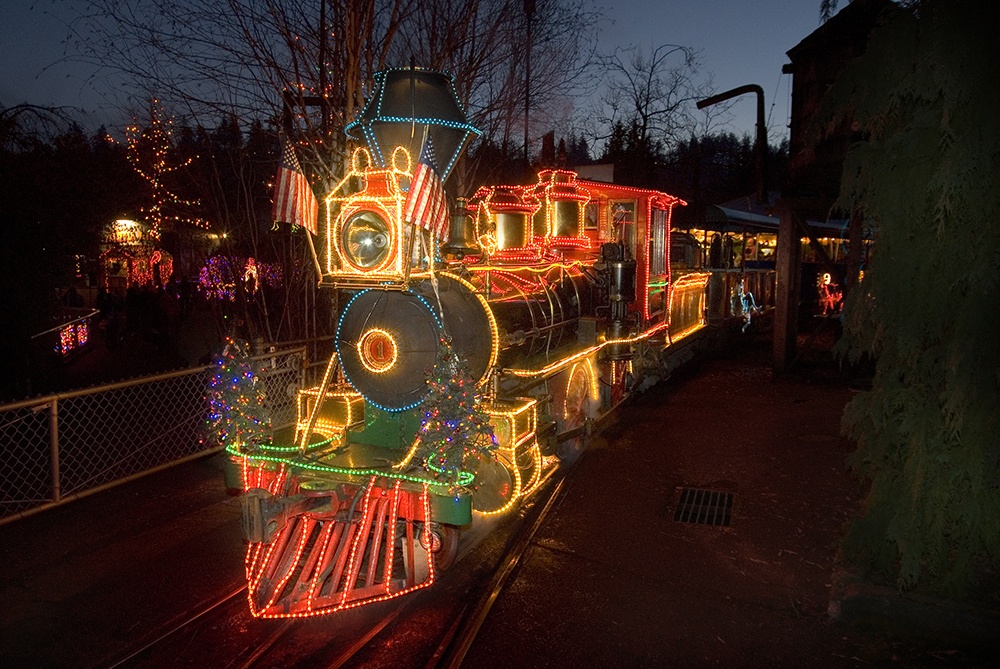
(445, 646)
(172, 629)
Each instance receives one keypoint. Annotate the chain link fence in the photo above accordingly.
(59, 447)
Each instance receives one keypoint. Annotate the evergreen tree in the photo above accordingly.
(455, 432)
(928, 307)
(577, 151)
(238, 412)
(636, 155)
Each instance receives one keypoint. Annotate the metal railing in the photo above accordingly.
(61, 447)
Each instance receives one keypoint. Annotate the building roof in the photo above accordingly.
(747, 212)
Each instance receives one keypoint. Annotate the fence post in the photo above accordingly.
(54, 446)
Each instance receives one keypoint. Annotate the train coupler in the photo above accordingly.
(262, 514)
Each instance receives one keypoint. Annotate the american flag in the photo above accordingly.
(294, 201)
(425, 203)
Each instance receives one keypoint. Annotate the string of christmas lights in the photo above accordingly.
(237, 406)
(217, 278)
(150, 151)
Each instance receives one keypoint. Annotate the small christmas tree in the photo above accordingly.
(455, 433)
(238, 412)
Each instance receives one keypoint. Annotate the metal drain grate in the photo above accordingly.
(704, 507)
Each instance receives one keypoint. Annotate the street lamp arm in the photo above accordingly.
(732, 93)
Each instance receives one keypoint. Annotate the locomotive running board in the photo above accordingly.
(360, 549)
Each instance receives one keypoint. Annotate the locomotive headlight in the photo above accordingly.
(366, 240)
(377, 350)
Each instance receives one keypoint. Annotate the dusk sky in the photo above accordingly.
(741, 42)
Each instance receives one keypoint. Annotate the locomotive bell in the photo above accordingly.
(462, 233)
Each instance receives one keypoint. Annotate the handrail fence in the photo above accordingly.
(64, 446)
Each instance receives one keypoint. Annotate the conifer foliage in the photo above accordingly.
(928, 307)
(455, 434)
(238, 412)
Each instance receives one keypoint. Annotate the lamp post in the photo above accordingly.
(760, 147)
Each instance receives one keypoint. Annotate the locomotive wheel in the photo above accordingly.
(442, 542)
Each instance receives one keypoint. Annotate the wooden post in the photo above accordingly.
(786, 312)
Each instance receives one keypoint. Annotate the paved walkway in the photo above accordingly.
(88, 579)
(613, 580)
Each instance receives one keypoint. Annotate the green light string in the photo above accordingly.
(464, 479)
(290, 449)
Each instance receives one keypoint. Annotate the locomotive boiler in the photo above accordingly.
(558, 298)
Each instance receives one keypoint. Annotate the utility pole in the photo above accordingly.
(788, 252)
(529, 11)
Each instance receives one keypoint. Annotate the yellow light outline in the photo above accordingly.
(361, 168)
(568, 360)
(377, 206)
(515, 495)
(326, 426)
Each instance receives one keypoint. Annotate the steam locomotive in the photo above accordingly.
(558, 294)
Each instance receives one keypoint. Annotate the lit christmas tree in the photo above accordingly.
(455, 434)
(238, 412)
(151, 152)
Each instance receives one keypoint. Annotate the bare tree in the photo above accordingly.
(24, 123)
(317, 58)
(313, 58)
(652, 93)
(485, 44)
(309, 65)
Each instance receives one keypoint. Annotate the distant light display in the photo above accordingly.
(73, 336)
(218, 276)
(131, 258)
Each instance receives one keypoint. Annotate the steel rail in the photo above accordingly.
(459, 637)
(362, 642)
(349, 653)
(174, 627)
(261, 649)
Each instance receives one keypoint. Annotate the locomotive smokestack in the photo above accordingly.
(408, 103)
